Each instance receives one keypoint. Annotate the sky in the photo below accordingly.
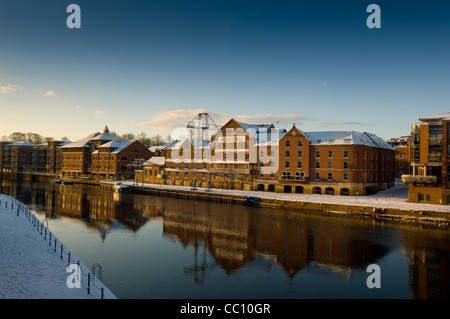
(152, 66)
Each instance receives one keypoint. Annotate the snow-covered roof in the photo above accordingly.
(155, 161)
(21, 143)
(84, 142)
(104, 137)
(346, 138)
(116, 146)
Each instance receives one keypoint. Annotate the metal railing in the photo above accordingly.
(90, 279)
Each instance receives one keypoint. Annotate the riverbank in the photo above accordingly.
(391, 203)
(31, 266)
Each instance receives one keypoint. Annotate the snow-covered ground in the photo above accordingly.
(29, 266)
(394, 197)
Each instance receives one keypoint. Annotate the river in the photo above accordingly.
(166, 248)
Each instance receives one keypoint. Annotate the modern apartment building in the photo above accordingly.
(262, 157)
(429, 180)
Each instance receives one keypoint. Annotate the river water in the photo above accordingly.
(166, 248)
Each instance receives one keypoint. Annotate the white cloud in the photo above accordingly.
(8, 88)
(331, 124)
(99, 112)
(170, 120)
(49, 93)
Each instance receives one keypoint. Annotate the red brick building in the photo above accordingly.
(261, 157)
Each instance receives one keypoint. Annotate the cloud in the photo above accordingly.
(8, 88)
(49, 93)
(77, 107)
(98, 112)
(328, 124)
(285, 120)
(170, 120)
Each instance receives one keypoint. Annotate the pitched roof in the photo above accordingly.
(347, 138)
(116, 146)
(20, 143)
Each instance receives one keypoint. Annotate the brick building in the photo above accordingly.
(402, 157)
(16, 156)
(261, 157)
(101, 155)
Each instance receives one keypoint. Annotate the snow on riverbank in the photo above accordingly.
(394, 197)
(29, 266)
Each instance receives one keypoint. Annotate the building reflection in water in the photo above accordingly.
(232, 236)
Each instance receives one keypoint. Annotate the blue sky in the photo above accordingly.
(151, 66)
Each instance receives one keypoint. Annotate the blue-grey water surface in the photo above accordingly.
(165, 248)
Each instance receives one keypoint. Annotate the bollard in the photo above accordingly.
(61, 251)
(102, 293)
(68, 259)
(89, 283)
(50, 239)
(55, 246)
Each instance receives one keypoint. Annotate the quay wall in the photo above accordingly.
(379, 213)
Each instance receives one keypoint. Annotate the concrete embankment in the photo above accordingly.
(377, 212)
(385, 210)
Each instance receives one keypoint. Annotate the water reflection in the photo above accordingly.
(231, 237)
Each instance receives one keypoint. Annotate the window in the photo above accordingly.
(317, 164)
(400, 164)
(299, 153)
(330, 165)
(299, 143)
(317, 176)
(287, 164)
(330, 154)
(330, 176)
(400, 154)
(288, 143)
(345, 165)
(317, 154)
(299, 164)
(288, 154)
(345, 178)
(345, 154)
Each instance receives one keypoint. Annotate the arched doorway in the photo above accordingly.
(345, 191)
(317, 190)
(271, 188)
(299, 189)
(261, 187)
(287, 189)
(329, 191)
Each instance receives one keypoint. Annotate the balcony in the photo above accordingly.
(288, 178)
(435, 158)
(435, 141)
(419, 179)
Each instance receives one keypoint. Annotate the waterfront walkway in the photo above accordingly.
(30, 267)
